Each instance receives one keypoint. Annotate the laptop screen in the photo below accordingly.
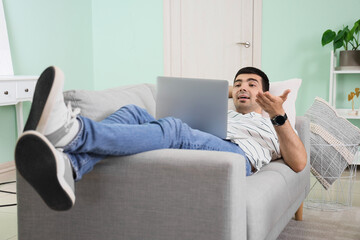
(200, 103)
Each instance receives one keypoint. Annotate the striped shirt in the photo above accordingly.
(255, 135)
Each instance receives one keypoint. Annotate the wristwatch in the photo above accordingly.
(279, 120)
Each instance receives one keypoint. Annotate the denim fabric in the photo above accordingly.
(132, 130)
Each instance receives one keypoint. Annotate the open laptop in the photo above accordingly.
(200, 103)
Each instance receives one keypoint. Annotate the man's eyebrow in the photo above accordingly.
(248, 80)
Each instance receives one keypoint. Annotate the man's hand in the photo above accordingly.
(230, 91)
(271, 104)
(291, 147)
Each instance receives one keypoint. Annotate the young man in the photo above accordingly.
(58, 145)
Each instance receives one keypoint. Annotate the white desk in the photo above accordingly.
(14, 90)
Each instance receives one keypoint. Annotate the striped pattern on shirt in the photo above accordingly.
(255, 135)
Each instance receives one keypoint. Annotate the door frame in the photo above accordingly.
(172, 39)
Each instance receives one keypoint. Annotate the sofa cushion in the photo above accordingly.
(296, 183)
(97, 105)
(334, 143)
(267, 199)
(271, 193)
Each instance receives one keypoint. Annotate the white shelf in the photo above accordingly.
(345, 113)
(347, 71)
(334, 71)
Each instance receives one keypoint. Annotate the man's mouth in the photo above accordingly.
(243, 97)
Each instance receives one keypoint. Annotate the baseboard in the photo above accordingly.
(7, 166)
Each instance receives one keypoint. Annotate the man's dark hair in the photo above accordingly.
(252, 70)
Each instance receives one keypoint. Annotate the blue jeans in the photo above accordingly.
(132, 130)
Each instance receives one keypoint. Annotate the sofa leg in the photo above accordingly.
(299, 213)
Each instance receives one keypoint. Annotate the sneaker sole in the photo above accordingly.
(45, 92)
(36, 160)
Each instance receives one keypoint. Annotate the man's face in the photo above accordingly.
(245, 88)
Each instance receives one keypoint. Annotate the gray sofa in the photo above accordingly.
(167, 194)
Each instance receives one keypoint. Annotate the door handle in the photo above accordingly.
(246, 44)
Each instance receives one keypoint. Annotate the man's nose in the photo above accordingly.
(243, 89)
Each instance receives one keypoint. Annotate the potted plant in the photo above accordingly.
(349, 40)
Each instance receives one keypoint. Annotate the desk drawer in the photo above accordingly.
(25, 89)
(7, 92)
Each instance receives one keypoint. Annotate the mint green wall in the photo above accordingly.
(128, 42)
(291, 46)
(43, 33)
(98, 44)
(106, 43)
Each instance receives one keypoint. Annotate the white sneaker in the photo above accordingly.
(49, 114)
(47, 170)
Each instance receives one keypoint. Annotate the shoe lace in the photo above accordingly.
(72, 114)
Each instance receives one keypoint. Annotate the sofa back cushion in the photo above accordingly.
(97, 105)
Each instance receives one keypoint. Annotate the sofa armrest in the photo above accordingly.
(162, 194)
(302, 126)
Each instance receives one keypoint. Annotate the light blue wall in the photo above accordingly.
(43, 33)
(128, 42)
(98, 44)
(291, 45)
(106, 43)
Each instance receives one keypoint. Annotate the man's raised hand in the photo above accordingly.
(271, 104)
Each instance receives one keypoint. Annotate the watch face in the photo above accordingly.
(280, 120)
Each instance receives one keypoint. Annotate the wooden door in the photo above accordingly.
(206, 38)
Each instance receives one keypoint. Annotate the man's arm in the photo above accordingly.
(291, 147)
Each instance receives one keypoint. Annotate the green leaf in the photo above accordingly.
(352, 31)
(339, 36)
(338, 44)
(347, 35)
(339, 40)
(327, 37)
(357, 26)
